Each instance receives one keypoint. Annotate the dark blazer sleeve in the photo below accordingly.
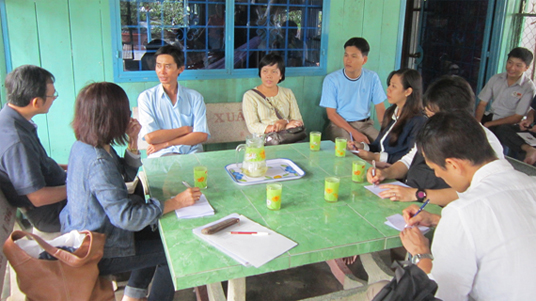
(406, 139)
(375, 145)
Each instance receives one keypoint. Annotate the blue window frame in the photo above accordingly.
(220, 38)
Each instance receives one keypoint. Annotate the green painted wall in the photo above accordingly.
(72, 39)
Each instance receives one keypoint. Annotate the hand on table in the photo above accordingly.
(398, 193)
(367, 155)
(377, 179)
(414, 241)
(187, 197)
(424, 218)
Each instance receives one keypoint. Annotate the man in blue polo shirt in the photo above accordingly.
(348, 95)
(29, 178)
(173, 118)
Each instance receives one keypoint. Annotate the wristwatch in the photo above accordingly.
(418, 257)
(420, 195)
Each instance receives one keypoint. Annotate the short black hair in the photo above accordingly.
(174, 51)
(449, 93)
(359, 43)
(26, 83)
(523, 54)
(271, 59)
(454, 135)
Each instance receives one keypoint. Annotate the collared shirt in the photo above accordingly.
(25, 166)
(508, 100)
(99, 200)
(156, 112)
(484, 243)
(353, 98)
(259, 113)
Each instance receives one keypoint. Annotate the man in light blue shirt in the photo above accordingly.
(173, 117)
(348, 95)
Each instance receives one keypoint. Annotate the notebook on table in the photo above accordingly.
(249, 250)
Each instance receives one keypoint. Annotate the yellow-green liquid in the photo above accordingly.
(358, 171)
(331, 189)
(340, 147)
(314, 141)
(200, 177)
(273, 196)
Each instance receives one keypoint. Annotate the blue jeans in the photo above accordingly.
(148, 264)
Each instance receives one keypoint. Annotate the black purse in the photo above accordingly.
(285, 136)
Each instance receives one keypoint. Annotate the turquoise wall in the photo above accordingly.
(72, 39)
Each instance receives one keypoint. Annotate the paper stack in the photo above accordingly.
(397, 222)
(376, 188)
(247, 249)
(199, 209)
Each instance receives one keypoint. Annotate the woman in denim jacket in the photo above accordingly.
(98, 199)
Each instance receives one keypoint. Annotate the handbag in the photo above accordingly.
(409, 284)
(73, 276)
(285, 136)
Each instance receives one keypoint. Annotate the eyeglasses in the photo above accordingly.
(56, 94)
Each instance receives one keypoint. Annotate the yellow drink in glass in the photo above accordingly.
(273, 196)
(314, 141)
(331, 189)
(358, 171)
(340, 147)
(200, 177)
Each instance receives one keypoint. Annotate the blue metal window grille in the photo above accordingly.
(220, 38)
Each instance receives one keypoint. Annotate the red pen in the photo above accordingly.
(249, 233)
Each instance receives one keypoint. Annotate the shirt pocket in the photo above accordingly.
(185, 114)
(186, 119)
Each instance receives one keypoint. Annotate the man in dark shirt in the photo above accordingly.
(29, 178)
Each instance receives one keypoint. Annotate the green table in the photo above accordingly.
(324, 231)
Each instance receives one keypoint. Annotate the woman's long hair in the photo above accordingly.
(102, 114)
(410, 78)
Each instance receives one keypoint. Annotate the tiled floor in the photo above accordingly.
(293, 284)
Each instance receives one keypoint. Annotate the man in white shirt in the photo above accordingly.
(510, 92)
(484, 244)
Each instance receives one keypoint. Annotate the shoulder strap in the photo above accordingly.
(266, 98)
(62, 255)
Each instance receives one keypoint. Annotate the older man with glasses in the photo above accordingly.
(29, 178)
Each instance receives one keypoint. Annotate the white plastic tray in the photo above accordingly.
(278, 170)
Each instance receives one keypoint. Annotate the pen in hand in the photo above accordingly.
(352, 139)
(186, 184)
(374, 170)
(419, 211)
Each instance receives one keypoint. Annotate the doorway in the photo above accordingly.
(447, 37)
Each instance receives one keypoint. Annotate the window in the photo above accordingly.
(524, 25)
(220, 38)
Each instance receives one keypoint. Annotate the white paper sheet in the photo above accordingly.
(397, 222)
(247, 249)
(199, 209)
(529, 139)
(376, 188)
